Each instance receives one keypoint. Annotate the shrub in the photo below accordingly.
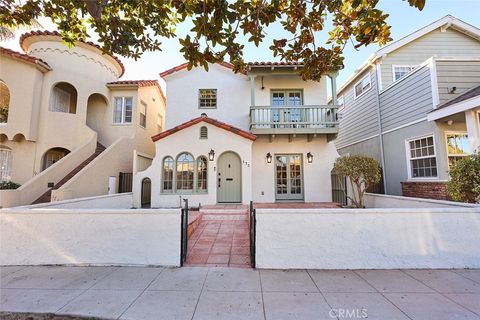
(464, 183)
(362, 172)
(7, 185)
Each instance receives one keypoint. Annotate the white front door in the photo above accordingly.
(229, 178)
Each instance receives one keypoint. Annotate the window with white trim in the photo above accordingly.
(167, 174)
(202, 165)
(123, 110)
(457, 147)
(401, 71)
(362, 86)
(185, 173)
(5, 164)
(207, 98)
(143, 114)
(63, 98)
(422, 159)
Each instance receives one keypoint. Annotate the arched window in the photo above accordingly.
(202, 164)
(4, 101)
(203, 132)
(185, 172)
(167, 174)
(53, 155)
(5, 164)
(64, 98)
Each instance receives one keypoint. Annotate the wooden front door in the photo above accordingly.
(229, 178)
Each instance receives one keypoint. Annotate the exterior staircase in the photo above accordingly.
(46, 197)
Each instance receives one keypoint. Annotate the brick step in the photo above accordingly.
(238, 217)
(47, 196)
(224, 211)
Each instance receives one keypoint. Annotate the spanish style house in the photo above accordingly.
(414, 106)
(263, 135)
(68, 126)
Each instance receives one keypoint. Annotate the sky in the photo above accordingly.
(403, 19)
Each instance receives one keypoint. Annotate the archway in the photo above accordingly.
(146, 193)
(97, 108)
(52, 156)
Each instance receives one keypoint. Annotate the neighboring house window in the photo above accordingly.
(423, 163)
(457, 147)
(64, 98)
(203, 132)
(122, 112)
(401, 71)
(143, 114)
(159, 123)
(362, 86)
(207, 98)
(167, 174)
(202, 173)
(5, 164)
(185, 172)
(4, 101)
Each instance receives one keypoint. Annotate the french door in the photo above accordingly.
(288, 177)
(284, 103)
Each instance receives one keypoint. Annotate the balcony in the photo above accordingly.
(293, 119)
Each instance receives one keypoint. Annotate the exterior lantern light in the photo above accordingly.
(269, 157)
(309, 157)
(211, 155)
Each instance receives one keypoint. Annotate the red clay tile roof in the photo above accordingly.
(138, 83)
(271, 63)
(57, 34)
(25, 57)
(211, 121)
(184, 66)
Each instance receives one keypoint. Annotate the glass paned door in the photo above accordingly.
(288, 177)
(284, 112)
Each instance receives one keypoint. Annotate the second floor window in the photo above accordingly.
(457, 147)
(207, 98)
(423, 162)
(362, 86)
(401, 71)
(143, 114)
(122, 112)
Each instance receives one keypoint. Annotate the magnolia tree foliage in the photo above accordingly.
(362, 172)
(464, 183)
(218, 27)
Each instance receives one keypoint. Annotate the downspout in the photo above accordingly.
(379, 118)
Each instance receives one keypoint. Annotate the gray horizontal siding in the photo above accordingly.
(461, 74)
(358, 119)
(408, 100)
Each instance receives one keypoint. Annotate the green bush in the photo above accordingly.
(7, 185)
(362, 171)
(464, 183)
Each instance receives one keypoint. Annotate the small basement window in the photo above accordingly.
(203, 132)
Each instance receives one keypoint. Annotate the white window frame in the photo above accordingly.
(409, 158)
(447, 133)
(143, 106)
(200, 98)
(369, 76)
(6, 173)
(123, 111)
(412, 68)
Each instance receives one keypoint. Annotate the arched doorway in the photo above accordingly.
(146, 193)
(97, 109)
(229, 178)
(52, 156)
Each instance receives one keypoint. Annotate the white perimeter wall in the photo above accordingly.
(368, 238)
(373, 200)
(89, 237)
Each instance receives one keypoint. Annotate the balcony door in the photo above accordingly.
(288, 177)
(284, 102)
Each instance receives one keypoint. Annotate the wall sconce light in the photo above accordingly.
(309, 157)
(269, 157)
(211, 155)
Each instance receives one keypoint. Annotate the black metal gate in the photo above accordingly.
(253, 230)
(125, 182)
(339, 188)
(146, 193)
(184, 233)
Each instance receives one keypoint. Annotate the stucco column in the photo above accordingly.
(333, 82)
(252, 91)
(473, 129)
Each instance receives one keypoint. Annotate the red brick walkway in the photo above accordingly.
(220, 243)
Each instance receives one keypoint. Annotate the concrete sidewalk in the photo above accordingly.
(231, 293)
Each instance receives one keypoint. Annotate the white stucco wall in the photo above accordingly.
(89, 237)
(367, 238)
(316, 175)
(109, 201)
(188, 140)
(388, 201)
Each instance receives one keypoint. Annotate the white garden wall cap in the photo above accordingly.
(366, 211)
(25, 210)
(78, 200)
(433, 201)
(39, 63)
(205, 118)
(28, 38)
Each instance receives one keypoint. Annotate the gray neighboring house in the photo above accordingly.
(414, 106)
